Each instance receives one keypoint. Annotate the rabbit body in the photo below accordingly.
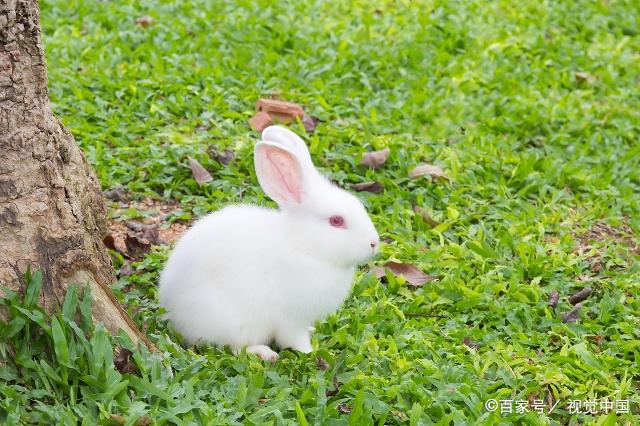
(247, 275)
(237, 278)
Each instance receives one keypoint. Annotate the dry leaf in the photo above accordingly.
(374, 187)
(414, 276)
(124, 363)
(553, 299)
(115, 194)
(223, 157)
(470, 343)
(427, 170)
(109, 242)
(126, 270)
(142, 421)
(585, 76)
(310, 122)
(145, 21)
(321, 363)
(336, 387)
(344, 408)
(572, 316)
(260, 121)
(150, 232)
(375, 159)
(425, 216)
(200, 174)
(136, 247)
(283, 111)
(580, 296)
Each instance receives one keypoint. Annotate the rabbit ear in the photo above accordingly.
(279, 173)
(287, 139)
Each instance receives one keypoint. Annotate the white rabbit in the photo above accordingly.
(247, 275)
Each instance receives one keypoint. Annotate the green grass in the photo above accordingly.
(537, 157)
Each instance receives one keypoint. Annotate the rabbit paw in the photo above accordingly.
(264, 352)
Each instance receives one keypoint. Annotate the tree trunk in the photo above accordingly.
(52, 214)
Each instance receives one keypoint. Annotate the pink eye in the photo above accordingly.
(337, 221)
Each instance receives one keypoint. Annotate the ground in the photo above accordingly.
(531, 110)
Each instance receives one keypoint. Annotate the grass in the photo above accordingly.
(531, 108)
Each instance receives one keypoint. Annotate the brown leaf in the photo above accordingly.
(136, 247)
(572, 316)
(142, 421)
(321, 363)
(427, 170)
(150, 232)
(282, 111)
(109, 242)
(310, 122)
(553, 299)
(344, 408)
(414, 276)
(374, 187)
(115, 194)
(145, 21)
(260, 121)
(124, 363)
(336, 387)
(375, 159)
(223, 157)
(200, 174)
(470, 343)
(580, 296)
(585, 76)
(425, 216)
(126, 270)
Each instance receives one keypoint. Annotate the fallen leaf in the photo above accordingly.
(109, 242)
(200, 174)
(375, 159)
(572, 316)
(585, 76)
(126, 270)
(283, 111)
(553, 299)
(150, 232)
(427, 170)
(115, 194)
(580, 296)
(470, 343)
(321, 363)
(336, 387)
(414, 276)
(344, 408)
(223, 157)
(145, 21)
(425, 216)
(310, 122)
(374, 187)
(136, 247)
(124, 363)
(260, 121)
(142, 421)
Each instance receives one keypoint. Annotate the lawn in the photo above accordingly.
(531, 110)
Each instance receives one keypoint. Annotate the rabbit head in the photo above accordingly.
(320, 219)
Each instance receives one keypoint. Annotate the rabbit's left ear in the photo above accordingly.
(287, 139)
(279, 173)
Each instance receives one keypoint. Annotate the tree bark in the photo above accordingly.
(52, 214)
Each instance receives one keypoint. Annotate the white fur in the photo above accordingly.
(246, 275)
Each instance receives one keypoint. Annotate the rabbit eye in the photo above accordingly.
(337, 221)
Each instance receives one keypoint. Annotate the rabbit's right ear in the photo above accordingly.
(280, 173)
